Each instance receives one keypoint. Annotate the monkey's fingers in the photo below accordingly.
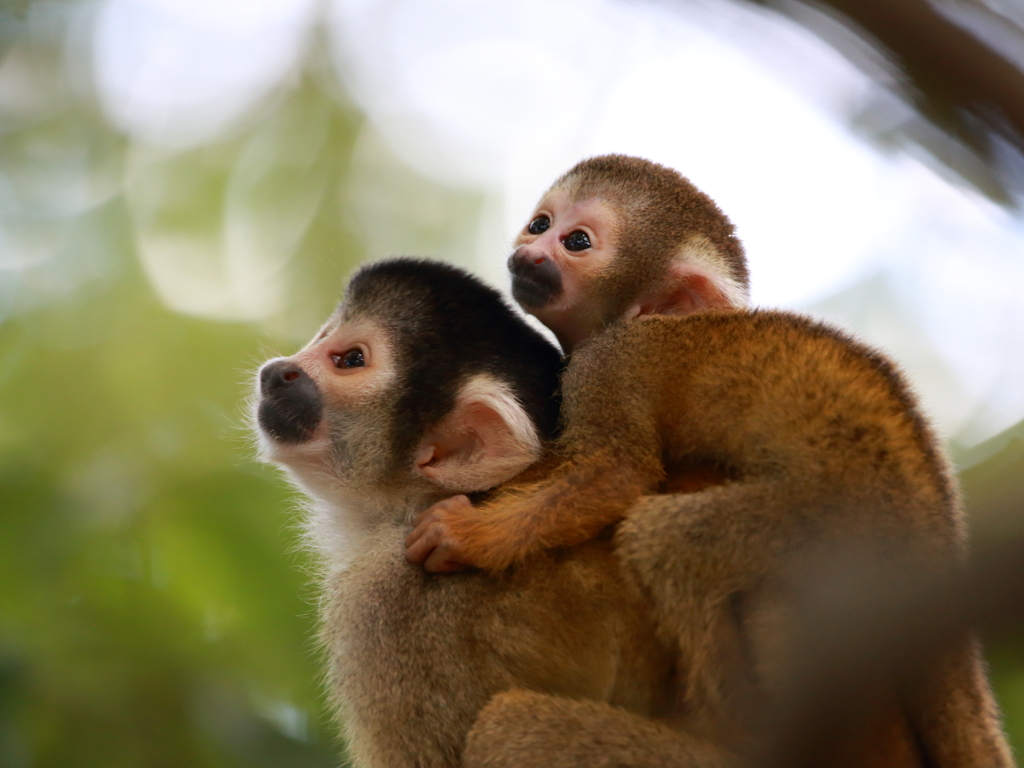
(429, 523)
(443, 559)
(430, 545)
(422, 541)
(449, 506)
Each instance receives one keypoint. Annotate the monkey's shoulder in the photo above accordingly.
(757, 333)
(727, 324)
(777, 350)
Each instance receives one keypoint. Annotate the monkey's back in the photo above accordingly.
(767, 396)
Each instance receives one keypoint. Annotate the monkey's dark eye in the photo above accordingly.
(539, 225)
(576, 241)
(352, 359)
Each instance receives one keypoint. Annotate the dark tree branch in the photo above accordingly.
(953, 79)
(889, 623)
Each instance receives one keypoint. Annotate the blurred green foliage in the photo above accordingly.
(993, 489)
(156, 606)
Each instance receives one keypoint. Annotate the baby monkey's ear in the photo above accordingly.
(693, 281)
(486, 439)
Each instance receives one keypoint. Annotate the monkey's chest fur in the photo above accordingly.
(414, 657)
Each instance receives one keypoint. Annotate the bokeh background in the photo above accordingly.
(185, 184)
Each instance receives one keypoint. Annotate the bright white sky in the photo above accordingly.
(502, 97)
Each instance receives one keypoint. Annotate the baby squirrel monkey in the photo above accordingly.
(615, 238)
(785, 433)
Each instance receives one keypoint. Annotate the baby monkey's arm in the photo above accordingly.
(574, 504)
(608, 456)
(430, 543)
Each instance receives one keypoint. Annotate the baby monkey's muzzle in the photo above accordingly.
(536, 279)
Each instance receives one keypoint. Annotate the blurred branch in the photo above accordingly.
(952, 70)
(955, 80)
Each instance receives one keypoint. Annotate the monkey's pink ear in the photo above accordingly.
(686, 288)
(487, 439)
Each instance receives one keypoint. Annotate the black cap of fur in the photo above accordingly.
(450, 326)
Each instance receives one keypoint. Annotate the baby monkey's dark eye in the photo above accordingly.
(352, 359)
(539, 225)
(576, 241)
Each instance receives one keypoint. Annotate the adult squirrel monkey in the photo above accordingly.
(422, 383)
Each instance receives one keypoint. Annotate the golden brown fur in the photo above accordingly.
(414, 657)
(522, 728)
(792, 439)
(647, 401)
(799, 441)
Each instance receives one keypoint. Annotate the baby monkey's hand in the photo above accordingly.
(432, 541)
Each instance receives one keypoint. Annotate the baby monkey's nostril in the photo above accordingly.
(291, 376)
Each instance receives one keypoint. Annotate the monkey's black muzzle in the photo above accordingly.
(290, 403)
(536, 280)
